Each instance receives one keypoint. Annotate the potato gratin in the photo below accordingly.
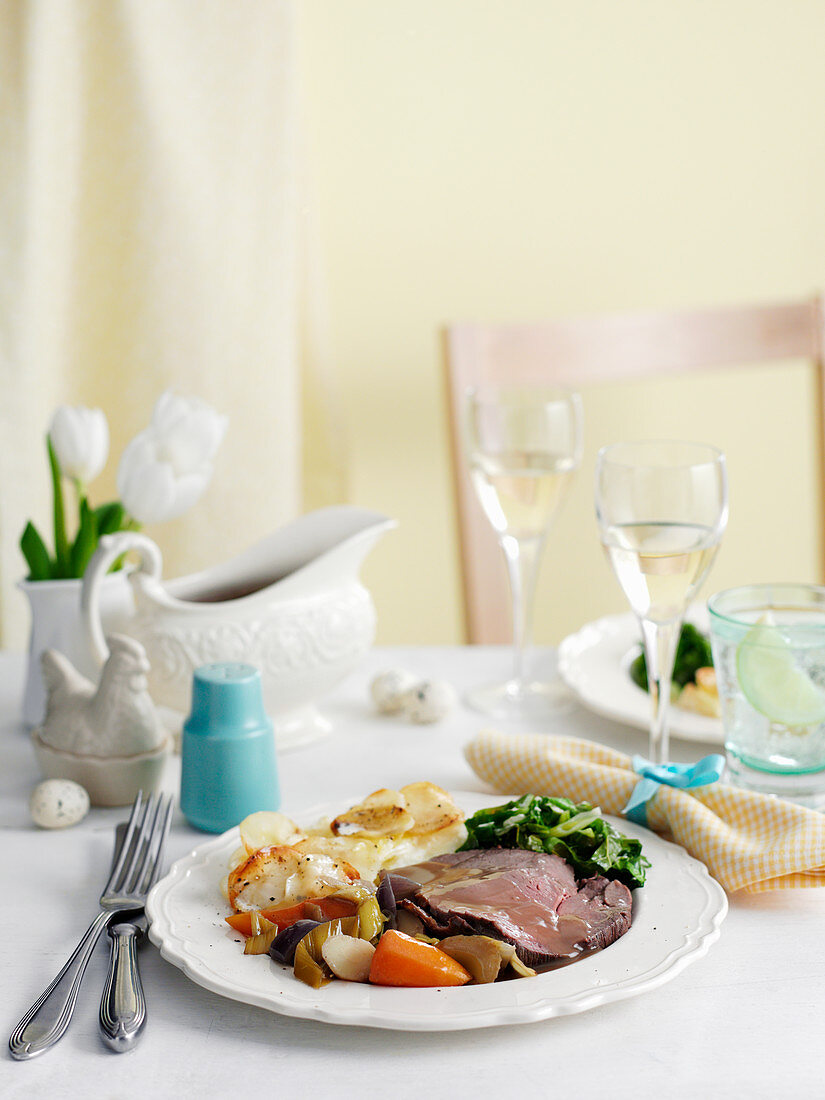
(281, 863)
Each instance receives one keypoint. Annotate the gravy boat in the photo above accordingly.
(292, 605)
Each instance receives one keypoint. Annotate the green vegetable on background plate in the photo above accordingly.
(574, 831)
(692, 653)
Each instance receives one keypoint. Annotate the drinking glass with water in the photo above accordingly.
(769, 652)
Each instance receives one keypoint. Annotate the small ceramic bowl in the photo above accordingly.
(109, 780)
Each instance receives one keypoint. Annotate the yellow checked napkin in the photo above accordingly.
(747, 841)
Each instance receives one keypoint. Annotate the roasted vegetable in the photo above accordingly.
(370, 919)
(385, 896)
(263, 933)
(348, 958)
(409, 924)
(282, 949)
(575, 831)
(484, 957)
(316, 909)
(692, 653)
(402, 887)
(309, 964)
(402, 961)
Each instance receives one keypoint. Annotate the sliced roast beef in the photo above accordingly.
(528, 899)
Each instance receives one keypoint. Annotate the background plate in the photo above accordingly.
(594, 664)
(676, 917)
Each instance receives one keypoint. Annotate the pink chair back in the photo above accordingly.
(584, 351)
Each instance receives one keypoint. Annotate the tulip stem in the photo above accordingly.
(61, 543)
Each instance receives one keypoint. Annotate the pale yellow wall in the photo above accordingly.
(523, 159)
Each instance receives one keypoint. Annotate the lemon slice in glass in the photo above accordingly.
(772, 683)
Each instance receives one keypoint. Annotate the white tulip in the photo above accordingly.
(80, 438)
(167, 467)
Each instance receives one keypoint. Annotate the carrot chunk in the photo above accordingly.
(401, 960)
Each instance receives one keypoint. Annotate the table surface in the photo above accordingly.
(745, 1020)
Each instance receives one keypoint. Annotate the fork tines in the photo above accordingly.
(139, 861)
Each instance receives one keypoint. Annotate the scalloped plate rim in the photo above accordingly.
(512, 1002)
(593, 662)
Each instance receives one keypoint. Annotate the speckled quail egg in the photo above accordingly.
(57, 803)
(429, 701)
(388, 689)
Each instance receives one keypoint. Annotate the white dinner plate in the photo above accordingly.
(676, 917)
(594, 663)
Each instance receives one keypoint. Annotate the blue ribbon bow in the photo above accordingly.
(707, 770)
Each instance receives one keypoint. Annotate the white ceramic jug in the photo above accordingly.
(292, 605)
(56, 623)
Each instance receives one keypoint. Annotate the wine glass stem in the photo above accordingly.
(522, 557)
(660, 650)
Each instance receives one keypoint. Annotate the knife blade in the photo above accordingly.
(123, 1004)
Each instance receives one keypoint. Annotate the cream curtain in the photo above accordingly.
(153, 234)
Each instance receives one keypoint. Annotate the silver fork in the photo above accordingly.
(129, 882)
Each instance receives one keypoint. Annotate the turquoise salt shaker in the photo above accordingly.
(228, 765)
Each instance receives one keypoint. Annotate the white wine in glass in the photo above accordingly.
(523, 446)
(662, 509)
(660, 565)
(521, 491)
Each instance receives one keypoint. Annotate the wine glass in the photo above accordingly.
(523, 445)
(662, 509)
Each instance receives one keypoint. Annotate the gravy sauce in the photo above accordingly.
(225, 593)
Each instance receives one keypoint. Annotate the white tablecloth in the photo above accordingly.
(745, 1021)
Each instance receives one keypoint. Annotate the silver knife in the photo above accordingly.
(123, 1004)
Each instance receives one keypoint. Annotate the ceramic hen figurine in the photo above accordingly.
(116, 718)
